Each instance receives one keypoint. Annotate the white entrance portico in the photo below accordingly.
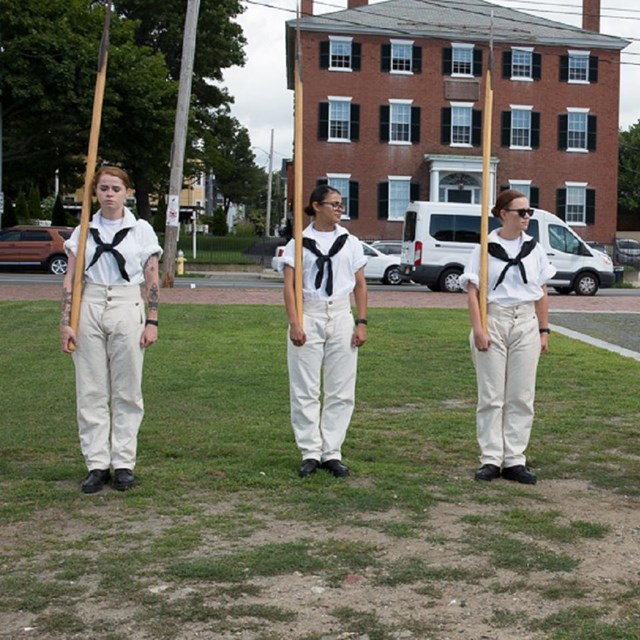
(459, 178)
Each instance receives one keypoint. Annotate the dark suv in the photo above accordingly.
(35, 247)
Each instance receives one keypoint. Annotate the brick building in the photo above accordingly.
(393, 99)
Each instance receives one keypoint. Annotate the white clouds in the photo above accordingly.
(262, 101)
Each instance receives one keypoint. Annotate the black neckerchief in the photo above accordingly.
(497, 251)
(310, 243)
(103, 247)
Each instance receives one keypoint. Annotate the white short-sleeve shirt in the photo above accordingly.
(512, 290)
(137, 247)
(345, 263)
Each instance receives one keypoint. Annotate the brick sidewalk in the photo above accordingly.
(411, 298)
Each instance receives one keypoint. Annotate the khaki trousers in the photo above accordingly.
(506, 375)
(108, 362)
(328, 359)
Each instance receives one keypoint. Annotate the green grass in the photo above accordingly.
(220, 514)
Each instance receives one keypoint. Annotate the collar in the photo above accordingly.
(495, 237)
(339, 230)
(129, 219)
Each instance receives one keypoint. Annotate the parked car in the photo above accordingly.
(390, 247)
(34, 247)
(380, 266)
(598, 246)
(626, 251)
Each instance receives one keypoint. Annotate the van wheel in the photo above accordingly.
(449, 280)
(564, 291)
(586, 284)
(392, 275)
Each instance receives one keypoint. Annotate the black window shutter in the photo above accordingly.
(324, 54)
(385, 58)
(534, 197)
(505, 129)
(563, 125)
(414, 191)
(445, 126)
(506, 64)
(535, 129)
(355, 122)
(356, 56)
(477, 62)
(383, 200)
(590, 213)
(416, 62)
(592, 128)
(536, 66)
(323, 121)
(354, 201)
(561, 203)
(415, 125)
(476, 127)
(384, 123)
(593, 68)
(447, 61)
(564, 68)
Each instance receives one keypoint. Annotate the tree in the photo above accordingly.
(58, 215)
(227, 153)
(219, 224)
(9, 218)
(22, 209)
(629, 178)
(34, 204)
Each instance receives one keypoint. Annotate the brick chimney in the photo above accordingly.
(354, 4)
(306, 8)
(591, 15)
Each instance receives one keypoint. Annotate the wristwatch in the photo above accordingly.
(544, 330)
(361, 321)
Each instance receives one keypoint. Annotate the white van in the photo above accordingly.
(438, 238)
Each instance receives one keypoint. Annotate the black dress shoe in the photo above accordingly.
(124, 479)
(520, 474)
(96, 479)
(308, 466)
(336, 467)
(487, 472)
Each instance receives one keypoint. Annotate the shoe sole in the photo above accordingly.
(521, 480)
(92, 489)
(124, 487)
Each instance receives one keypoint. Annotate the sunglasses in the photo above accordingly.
(523, 212)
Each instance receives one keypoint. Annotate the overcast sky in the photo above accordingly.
(263, 102)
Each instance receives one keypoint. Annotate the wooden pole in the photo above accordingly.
(179, 143)
(298, 206)
(92, 158)
(486, 183)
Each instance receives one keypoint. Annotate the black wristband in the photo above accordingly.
(544, 330)
(361, 321)
(153, 322)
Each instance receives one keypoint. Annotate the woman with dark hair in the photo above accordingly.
(322, 349)
(506, 356)
(121, 256)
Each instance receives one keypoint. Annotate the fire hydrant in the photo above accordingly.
(180, 260)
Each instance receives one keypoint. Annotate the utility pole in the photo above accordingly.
(267, 224)
(1, 192)
(179, 143)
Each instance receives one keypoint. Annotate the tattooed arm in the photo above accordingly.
(67, 335)
(152, 296)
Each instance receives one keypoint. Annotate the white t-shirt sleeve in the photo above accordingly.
(472, 270)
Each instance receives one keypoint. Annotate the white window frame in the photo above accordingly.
(577, 199)
(344, 102)
(468, 106)
(394, 108)
(522, 77)
(521, 108)
(398, 205)
(575, 111)
(339, 41)
(574, 54)
(524, 186)
(461, 47)
(397, 45)
(337, 181)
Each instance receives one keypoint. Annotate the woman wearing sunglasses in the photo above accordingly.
(506, 356)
